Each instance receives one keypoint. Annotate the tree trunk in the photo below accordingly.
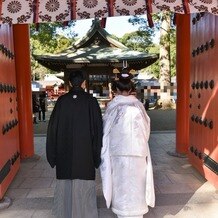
(165, 75)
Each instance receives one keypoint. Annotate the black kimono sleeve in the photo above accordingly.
(51, 136)
(97, 131)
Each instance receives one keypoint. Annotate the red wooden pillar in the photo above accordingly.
(23, 74)
(183, 82)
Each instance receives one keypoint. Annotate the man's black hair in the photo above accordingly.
(77, 77)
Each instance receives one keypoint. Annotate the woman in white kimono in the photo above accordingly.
(126, 168)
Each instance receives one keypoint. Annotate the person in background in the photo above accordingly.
(147, 104)
(113, 89)
(73, 146)
(126, 168)
(35, 107)
(42, 106)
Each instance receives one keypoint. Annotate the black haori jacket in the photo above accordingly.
(74, 136)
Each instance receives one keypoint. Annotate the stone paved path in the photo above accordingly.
(180, 190)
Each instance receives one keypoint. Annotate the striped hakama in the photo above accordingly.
(75, 199)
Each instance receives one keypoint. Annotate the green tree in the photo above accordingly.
(45, 39)
(154, 69)
(163, 23)
(141, 40)
(138, 40)
(47, 36)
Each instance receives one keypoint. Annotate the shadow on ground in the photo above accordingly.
(181, 191)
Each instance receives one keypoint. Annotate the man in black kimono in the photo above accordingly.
(73, 146)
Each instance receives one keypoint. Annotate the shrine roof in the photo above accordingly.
(96, 47)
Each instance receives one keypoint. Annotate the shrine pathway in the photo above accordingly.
(180, 190)
(161, 120)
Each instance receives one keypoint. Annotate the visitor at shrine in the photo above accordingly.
(126, 168)
(35, 107)
(42, 106)
(147, 104)
(73, 146)
(113, 89)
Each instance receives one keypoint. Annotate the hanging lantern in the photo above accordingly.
(132, 71)
(116, 71)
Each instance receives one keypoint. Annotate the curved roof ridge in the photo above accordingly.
(96, 27)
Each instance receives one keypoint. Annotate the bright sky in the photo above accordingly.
(115, 25)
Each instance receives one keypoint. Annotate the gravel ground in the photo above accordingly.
(161, 120)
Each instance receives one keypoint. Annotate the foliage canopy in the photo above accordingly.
(45, 39)
(170, 39)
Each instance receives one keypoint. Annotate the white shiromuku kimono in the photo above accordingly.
(126, 168)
